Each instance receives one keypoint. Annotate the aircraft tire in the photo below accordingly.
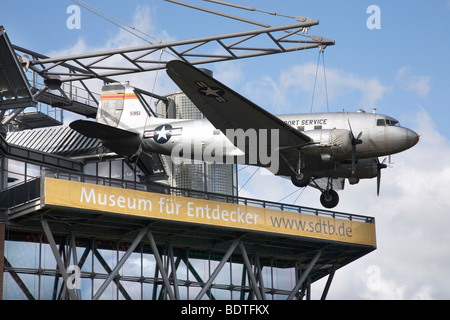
(301, 180)
(329, 199)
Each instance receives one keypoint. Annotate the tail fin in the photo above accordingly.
(119, 107)
(120, 120)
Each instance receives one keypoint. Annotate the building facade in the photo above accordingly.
(193, 174)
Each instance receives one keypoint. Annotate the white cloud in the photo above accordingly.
(412, 255)
(340, 83)
(298, 83)
(79, 47)
(447, 4)
(229, 73)
(411, 220)
(421, 85)
(142, 20)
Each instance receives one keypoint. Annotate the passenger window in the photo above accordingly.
(381, 122)
(317, 127)
(301, 128)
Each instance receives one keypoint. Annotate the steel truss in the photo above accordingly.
(59, 73)
(139, 59)
(166, 280)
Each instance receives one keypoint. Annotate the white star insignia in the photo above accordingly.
(162, 134)
(210, 92)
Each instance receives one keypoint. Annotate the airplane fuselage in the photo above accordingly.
(380, 135)
(307, 148)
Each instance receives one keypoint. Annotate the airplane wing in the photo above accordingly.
(226, 109)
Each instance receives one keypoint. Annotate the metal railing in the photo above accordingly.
(30, 190)
(73, 92)
(165, 189)
(21, 193)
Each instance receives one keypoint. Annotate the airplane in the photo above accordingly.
(320, 150)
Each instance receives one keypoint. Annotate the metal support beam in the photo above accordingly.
(304, 275)
(120, 263)
(109, 270)
(23, 287)
(197, 276)
(61, 266)
(243, 279)
(251, 275)
(73, 245)
(161, 266)
(260, 274)
(11, 116)
(220, 13)
(174, 273)
(218, 268)
(328, 284)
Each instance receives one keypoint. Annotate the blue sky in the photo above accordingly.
(401, 69)
(409, 50)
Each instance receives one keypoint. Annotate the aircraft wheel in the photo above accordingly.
(329, 199)
(301, 180)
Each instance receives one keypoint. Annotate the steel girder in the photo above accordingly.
(170, 283)
(141, 58)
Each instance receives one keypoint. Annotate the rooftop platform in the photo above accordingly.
(290, 235)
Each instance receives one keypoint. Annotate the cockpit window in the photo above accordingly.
(388, 122)
(392, 122)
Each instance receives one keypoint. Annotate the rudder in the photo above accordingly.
(119, 107)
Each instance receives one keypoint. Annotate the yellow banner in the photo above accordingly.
(159, 206)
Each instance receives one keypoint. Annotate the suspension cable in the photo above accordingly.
(315, 82)
(148, 115)
(301, 192)
(321, 52)
(249, 178)
(296, 190)
(325, 79)
(110, 19)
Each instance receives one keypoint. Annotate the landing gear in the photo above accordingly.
(301, 179)
(329, 199)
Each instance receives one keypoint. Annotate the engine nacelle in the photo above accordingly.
(329, 143)
(365, 169)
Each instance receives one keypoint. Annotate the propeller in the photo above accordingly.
(355, 142)
(380, 165)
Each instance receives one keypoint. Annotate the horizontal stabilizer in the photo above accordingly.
(120, 141)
